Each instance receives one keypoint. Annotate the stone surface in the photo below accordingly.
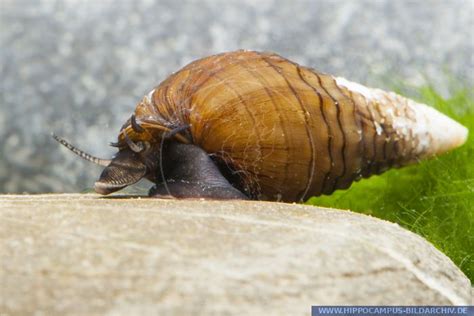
(85, 255)
(78, 68)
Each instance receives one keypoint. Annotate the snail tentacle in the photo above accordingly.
(176, 130)
(114, 144)
(135, 126)
(80, 153)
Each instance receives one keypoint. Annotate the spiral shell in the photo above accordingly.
(284, 131)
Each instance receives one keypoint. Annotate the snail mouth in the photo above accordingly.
(107, 188)
(125, 169)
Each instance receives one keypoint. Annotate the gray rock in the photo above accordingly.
(80, 254)
(79, 67)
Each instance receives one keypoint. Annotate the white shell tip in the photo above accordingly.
(460, 135)
(445, 134)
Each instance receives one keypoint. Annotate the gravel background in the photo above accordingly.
(79, 67)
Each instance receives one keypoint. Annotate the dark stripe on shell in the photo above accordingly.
(311, 166)
(328, 127)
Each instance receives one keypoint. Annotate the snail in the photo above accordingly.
(254, 125)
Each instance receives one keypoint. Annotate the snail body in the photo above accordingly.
(255, 125)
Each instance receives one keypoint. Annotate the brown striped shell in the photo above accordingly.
(288, 132)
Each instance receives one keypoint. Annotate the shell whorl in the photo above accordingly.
(289, 132)
(430, 132)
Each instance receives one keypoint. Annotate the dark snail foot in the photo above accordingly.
(181, 189)
(159, 194)
(190, 173)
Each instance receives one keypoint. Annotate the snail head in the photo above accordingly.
(127, 167)
(133, 161)
(130, 164)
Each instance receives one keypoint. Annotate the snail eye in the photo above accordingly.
(146, 145)
(136, 147)
(140, 147)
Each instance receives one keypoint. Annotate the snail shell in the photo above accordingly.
(289, 132)
(255, 125)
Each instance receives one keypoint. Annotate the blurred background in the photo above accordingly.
(78, 67)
